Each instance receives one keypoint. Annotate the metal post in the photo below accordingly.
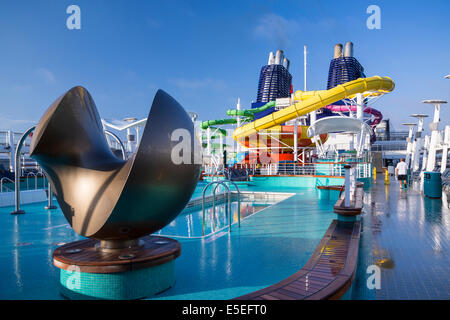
(347, 185)
(50, 205)
(10, 141)
(137, 136)
(352, 182)
(359, 106)
(17, 171)
(313, 113)
(295, 144)
(238, 123)
(304, 56)
(445, 149)
(221, 147)
(208, 141)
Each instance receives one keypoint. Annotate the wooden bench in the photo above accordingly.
(328, 273)
(336, 188)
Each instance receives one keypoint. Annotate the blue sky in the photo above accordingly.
(208, 53)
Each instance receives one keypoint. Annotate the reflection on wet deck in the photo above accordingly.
(409, 241)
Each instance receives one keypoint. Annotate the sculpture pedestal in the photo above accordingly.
(88, 272)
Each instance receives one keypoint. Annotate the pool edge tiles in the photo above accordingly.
(302, 182)
(134, 284)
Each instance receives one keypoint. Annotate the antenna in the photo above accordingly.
(304, 55)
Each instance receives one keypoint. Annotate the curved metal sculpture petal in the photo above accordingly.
(101, 196)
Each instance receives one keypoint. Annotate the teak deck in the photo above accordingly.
(328, 273)
(336, 188)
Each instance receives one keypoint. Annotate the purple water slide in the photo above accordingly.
(378, 116)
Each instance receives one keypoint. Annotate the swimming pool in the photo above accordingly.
(270, 245)
(190, 224)
(273, 242)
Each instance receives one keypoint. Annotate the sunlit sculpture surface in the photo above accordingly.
(102, 196)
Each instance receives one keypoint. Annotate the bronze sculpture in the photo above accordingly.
(102, 196)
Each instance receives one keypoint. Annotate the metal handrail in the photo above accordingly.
(39, 174)
(239, 201)
(35, 180)
(17, 209)
(117, 139)
(1, 183)
(203, 203)
(221, 182)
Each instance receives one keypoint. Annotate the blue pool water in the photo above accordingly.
(26, 247)
(190, 224)
(270, 245)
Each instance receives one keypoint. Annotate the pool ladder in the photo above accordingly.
(223, 183)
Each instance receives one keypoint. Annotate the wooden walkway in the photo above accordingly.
(328, 273)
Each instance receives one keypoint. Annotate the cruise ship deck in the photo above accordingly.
(402, 232)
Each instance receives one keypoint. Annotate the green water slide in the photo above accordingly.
(210, 123)
(214, 145)
(249, 115)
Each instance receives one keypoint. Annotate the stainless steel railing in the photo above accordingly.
(227, 209)
(2, 187)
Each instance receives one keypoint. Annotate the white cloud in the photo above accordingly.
(46, 74)
(277, 29)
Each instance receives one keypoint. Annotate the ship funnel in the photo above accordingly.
(279, 57)
(271, 58)
(337, 50)
(286, 63)
(348, 49)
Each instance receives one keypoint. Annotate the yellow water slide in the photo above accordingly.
(313, 100)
